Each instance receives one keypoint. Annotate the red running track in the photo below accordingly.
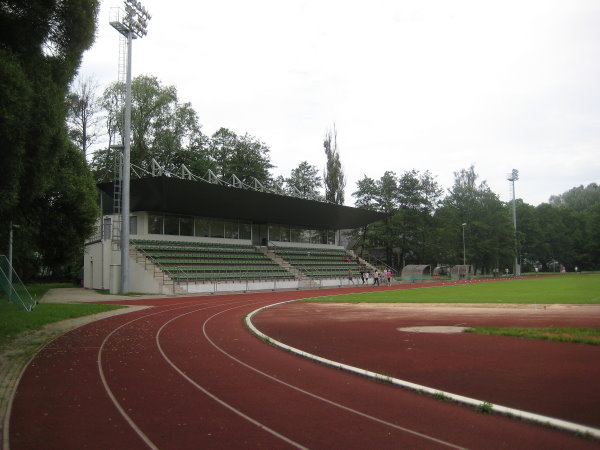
(187, 374)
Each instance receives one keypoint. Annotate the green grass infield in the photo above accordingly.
(575, 335)
(561, 289)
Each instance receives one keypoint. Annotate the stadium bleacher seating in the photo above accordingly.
(202, 261)
(319, 262)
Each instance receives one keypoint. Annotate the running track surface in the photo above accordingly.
(187, 374)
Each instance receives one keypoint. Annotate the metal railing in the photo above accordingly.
(182, 277)
(14, 288)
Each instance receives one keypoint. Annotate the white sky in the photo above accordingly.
(432, 85)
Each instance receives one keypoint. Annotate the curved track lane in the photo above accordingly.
(188, 374)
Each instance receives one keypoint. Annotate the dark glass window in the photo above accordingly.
(172, 225)
(245, 230)
(201, 227)
(155, 224)
(231, 230)
(217, 229)
(186, 226)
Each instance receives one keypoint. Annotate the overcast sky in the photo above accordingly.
(432, 85)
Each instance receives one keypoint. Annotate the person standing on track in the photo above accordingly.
(376, 278)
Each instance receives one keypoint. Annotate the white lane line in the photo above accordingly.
(213, 396)
(109, 392)
(525, 415)
(318, 397)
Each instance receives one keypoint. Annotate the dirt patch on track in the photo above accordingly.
(434, 329)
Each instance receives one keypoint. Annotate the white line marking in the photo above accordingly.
(214, 397)
(109, 392)
(533, 417)
(310, 394)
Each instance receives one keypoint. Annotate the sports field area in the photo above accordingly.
(564, 289)
(194, 376)
(561, 289)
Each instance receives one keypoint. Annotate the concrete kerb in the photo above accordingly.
(472, 402)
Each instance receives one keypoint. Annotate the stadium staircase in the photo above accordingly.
(316, 263)
(305, 282)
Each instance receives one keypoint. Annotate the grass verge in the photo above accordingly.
(564, 289)
(14, 321)
(575, 335)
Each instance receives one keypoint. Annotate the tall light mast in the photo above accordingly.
(512, 177)
(132, 24)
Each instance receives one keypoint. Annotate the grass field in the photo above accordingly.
(563, 289)
(576, 335)
(14, 321)
(567, 289)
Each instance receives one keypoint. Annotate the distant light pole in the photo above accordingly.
(10, 256)
(464, 247)
(512, 177)
(132, 25)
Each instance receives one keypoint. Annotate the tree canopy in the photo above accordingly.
(41, 45)
(426, 227)
(333, 175)
(305, 181)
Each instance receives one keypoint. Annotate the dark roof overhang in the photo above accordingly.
(197, 198)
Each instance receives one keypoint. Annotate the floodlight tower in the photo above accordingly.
(512, 177)
(464, 246)
(132, 24)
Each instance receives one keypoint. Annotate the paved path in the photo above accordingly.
(188, 374)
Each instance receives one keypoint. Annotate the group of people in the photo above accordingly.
(378, 277)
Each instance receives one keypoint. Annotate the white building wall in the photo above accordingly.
(93, 264)
(142, 280)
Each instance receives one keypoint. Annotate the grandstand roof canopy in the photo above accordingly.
(197, 198)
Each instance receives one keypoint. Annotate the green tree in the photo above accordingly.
(418, 198)
(578, 198)
(333, 175)
(66, 215)
(568, 229)
(590, 258)
(41, 44)
(83, 119)
(365, 194)
(243, 156)
(529, 235)
(410, 201)
(556, 242)
(161, 128)
(306, 181)
(489, 238)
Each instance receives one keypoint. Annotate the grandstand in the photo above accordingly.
(319, 262)
(191, 236)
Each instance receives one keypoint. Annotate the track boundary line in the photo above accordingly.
(505, 410)
(109, 392)
(325, 400)
(213, 396)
